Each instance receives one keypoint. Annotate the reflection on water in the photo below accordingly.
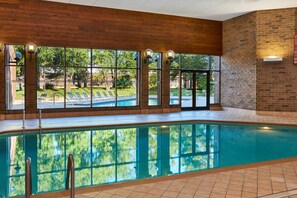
(118, 154)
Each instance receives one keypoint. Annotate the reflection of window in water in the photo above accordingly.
(110, 155)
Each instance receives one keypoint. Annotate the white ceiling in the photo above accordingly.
(204, 9)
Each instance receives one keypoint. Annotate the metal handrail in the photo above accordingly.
(70, 172)
(24, 119)
(28, 178)
(40, 118)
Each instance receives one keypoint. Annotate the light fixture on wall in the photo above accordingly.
(170, 54)
(1, 46)
(148, 54)
(31, 48)
(273, 59)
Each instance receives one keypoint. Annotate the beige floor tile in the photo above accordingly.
(123, 192)
(104, 195)
(156, 191)
(143, 189)
(93, 194)
(137, 195)
(188, 191)
(217, 195)
(262, 192)
(182, 195)
(249, 194)
(152, 196)
(170, 194)
(234, 192)
(118, 196)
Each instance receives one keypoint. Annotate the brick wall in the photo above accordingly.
(247, 81)
(276, 82)
(238, 77)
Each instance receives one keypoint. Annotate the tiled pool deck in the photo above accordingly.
(278, 180)
(270, 179)
(228, 115)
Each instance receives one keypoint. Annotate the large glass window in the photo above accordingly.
(175, 80)
(15, 77)
(127, 78)
(51, 77)
(192, 62)
(155, 79)
(104, 78)
(76, 78)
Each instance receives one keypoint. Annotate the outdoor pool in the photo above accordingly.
(116, 154)
(129, 102)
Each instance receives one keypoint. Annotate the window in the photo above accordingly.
(194, 62)
(127, 78)
(77, 78)
(51, 77)
(202, 63)
(175, 80)
(215, 82)
(104, 78)
(155, 78)
(14, 77)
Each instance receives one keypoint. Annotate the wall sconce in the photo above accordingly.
(273, 59)
(1, 46)
(31, 48)
(170, 54)
(148, 54)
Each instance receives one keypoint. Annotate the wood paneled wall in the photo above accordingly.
(65, 25)
(57, 24)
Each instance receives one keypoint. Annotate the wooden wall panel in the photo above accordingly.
(295, 48)
(56, 24)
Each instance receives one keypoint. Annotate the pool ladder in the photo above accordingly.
(70, 173)
(28, 178)
(24, 120)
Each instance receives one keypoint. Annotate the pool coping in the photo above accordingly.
(104, 187)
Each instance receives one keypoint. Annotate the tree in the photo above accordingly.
(77, 62)
(104, 61)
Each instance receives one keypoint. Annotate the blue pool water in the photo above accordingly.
(114, 154)
(130, 102)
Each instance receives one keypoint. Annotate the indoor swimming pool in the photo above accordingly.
(117, 154)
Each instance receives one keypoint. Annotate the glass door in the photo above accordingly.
(201, 90)
(187, 90)
(195, 90)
